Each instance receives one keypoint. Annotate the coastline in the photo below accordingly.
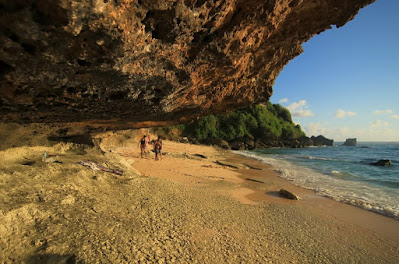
(197, 205)
(386, 226)
(342, 174)
(254, 192)
(259, 183)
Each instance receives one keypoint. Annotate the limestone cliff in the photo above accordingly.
(150, 60)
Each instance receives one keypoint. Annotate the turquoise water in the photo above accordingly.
(342, 173)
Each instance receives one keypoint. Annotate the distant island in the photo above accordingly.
(350, 142)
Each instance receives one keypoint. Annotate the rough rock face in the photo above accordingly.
(150, 60)
(321, 141)
(351, 142)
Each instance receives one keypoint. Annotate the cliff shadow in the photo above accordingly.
(84, 139)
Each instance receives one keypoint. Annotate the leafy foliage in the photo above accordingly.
(270, 120)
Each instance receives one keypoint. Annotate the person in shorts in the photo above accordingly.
(158, 148)
(143, 145)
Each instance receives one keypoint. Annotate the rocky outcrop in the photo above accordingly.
(321, 141)
(382, 162)
(250, 143)
(217, 142)
(350, 142)
(237, 145)
(149, 62)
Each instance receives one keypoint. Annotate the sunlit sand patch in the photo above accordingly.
(242, 195)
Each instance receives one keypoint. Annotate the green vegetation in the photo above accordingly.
(271, 120)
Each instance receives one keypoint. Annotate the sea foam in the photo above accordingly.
(361, 194)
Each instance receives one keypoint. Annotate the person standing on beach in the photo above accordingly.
(158, 148)
(143, 144)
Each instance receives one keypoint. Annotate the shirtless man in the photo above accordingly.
(143, 144)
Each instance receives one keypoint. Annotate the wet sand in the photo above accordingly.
(215, 207)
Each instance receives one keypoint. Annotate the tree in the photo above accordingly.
(282, 112)
(257, 121)
(204, 127)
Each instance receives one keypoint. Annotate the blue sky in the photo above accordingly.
(346, 82)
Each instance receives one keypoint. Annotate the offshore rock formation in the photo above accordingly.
(120, 61)
(350, 142)
(322, 141)
(382, 162)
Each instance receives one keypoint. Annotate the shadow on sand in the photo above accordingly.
(53, 259)
(274, 194)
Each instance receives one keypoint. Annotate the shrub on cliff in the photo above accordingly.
(258, 121)
(282, 113)
(205, 127)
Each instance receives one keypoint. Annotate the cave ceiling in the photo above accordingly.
(150, 62)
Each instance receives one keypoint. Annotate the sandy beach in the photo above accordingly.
(198, 204)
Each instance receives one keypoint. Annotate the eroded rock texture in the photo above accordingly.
(150, 60)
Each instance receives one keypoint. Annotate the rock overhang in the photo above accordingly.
(150, 62)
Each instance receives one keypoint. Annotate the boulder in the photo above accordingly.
(382, 162)
(293, 143)
(268, 141)
(248, 141)
(350, 142)
(289, 195)
(250, 144)
(193, 141)
(184, 140)
(237, 145)
(217, 142)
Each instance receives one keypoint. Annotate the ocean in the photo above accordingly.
(342, 173)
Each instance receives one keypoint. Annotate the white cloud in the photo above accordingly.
(381, 131)
(383, 112)
(341, 113)
(342, 133)
(284, 100)
(379, 123)
(294, 106)
(395, 116)
(315, 129)
(302, 113)
(334, 133)
(299, 109)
